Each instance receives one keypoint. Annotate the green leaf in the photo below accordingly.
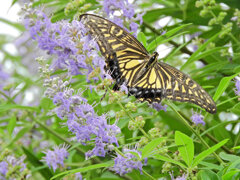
(229, 157)
(175, 51)
(45, 172)
(142, 38)
(236, 69)
(186, 148)
(84, 169)
(236, 147)
(208, 175)
(20, 134)
(165, 38)
(197, 52)
(13, 2)
(167, 159)
(7, 107)
(232, 174)
(234, 165)
(206, 53)
(207, 152)
(161, 40)
(222, 86)
(236, 108)
(18, 26)
(46, 103)
(147, 150)
(211, 165)
(11, 125)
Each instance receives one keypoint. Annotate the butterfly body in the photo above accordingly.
(147, 79)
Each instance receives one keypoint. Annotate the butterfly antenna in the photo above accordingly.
(155, 39)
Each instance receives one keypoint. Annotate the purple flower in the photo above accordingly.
(78, 176)
(67, 42)
(159, 106)
(118, 21)
(123, 6)
(3, 75)
(3, 168)
(110, 6)
(11, 163)
(17, 162)
(74, 51)
(128, 11)
(139, 17)
(237, 84)
(84, 123)
(93, 128)
(197, 119)
(124, 88)
(56, 157)
(126, 164)
(183, 177)
(134, 27)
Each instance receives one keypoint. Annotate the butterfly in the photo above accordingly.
(147, 79)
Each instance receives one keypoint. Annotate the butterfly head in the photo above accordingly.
(155, 55)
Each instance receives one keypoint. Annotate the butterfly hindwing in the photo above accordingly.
(164, 81)
(180, 87)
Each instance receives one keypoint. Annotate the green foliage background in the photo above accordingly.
(181, 146)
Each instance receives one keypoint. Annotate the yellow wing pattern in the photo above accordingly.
(129, 62)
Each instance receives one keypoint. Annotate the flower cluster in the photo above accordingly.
(183, 177)
(197, 118)
(82, 120)
(159, 106)
(127, 11)
(3, 168)
(68, 42)
(3, 77)
(237, 84)
(13, 168)
(56, 157)
(131, 160)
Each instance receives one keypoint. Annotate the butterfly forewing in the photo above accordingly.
(124, 54)
(129, 62)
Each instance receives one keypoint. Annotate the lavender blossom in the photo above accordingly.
(118, 21)
(110, 6)
(134, 27)
(3, 75)
(139, 17)
(67, 42)
(3, 168)
(237, 84)
(78, 176)
(127, 11)
(159, 106)
(82, 120)
(124, 165)
(56, 157)
(183, 177)
(10, 166)
(197, 118)
(124, 88)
